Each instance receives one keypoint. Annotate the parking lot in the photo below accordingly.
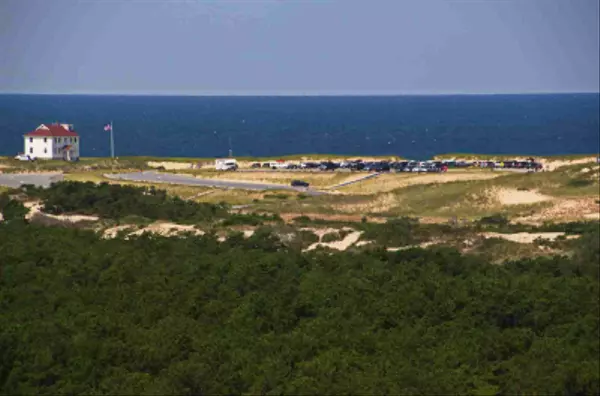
(15, 180)
(429, 166)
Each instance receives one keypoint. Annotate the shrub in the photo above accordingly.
(117, 201)
(302, 219)
(12, 209)
(495, 219)
(331, 237)
(579, 182)
(308, 237)
(277, 196)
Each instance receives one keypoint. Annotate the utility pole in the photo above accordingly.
(230, 150)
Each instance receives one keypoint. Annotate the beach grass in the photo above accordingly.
(500, 157)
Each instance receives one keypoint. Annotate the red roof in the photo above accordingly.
(52, 130)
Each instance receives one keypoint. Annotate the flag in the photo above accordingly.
(108, 127)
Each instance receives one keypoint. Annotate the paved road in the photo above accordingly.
(155, 177)
(14, 180)
(366, 177)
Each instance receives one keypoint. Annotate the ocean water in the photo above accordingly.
(409, 126)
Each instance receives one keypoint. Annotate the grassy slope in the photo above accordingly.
(469, 199)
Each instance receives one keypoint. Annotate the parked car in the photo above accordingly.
(255, 165)
(291, 166)
(309, 165)
(226, 164)
(357, 166)
(433, 168)
(328, 166)
(299, 183)
(382, 167)
(266, 165)
(419, 168)
(24, 157)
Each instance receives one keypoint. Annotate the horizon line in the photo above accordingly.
(297, 94)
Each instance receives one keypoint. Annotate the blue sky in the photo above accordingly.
(299, 47)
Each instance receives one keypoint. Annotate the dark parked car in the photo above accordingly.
(357, 166)
(382, 167)
(299, 183)
(255, 165)
(328, 166)
(266, 165)
(432, 168)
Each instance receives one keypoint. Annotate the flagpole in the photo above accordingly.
(112, 142)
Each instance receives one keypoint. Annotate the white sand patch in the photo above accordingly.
(248, 233)
(344, 244)
(509, 196)
(168, 229)
(112, 232)
(158, 228)
(553, 165)
(1, 217)
(526, 237)
(36, 207)
(422, 246)
(363, 243)
(169, 165)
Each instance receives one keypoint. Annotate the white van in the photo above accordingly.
(226, 164)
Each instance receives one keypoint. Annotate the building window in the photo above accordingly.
(45, 140)
(75, 140)
(30, 150)
(45, 150)
(30, 140)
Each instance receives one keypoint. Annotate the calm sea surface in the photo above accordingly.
(409, 126)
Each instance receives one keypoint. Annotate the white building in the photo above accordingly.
(52, 141)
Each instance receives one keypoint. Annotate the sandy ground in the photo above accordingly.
(378, 204)
(36, 207)
(422, 246)
(316, 179)
(509, 196)
(344, 244)
(169, 165)
(550, 165)
(245, 177)
(159, 228)
(565, 210)
(393, 181)
(526, 237)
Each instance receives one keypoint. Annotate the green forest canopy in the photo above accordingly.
(152, 315)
